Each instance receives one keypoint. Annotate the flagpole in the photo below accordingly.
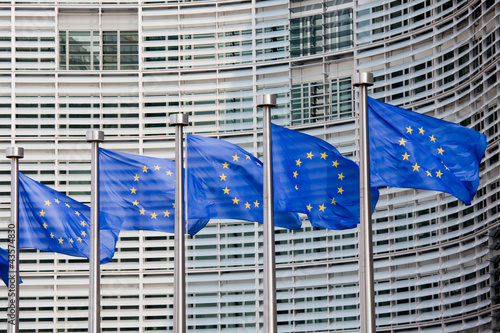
(95, 137)
(366, 280)
(267, 101)
(14, 153)
(179, 121)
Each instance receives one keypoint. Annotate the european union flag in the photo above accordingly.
(224, 181)
(140, 191)
(411, 150)
(312, 177)
(51, 221)
(4, 266)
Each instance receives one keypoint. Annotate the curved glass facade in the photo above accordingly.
(67, 67)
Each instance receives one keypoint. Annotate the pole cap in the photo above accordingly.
(180, 119)
(95, 136)
(363, 79)
(14, 152)
(266, 100)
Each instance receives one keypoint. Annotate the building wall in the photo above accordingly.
(67, 67)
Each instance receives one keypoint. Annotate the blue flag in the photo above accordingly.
(312, 177)
(411, 150)
(4, 267)
(224, 181)
(51, 221)
(140, 191)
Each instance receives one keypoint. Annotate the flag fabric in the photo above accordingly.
(4, 267)
(139, 193)
(312, 177)
(51, 221)
(411, 150)
(226, 182)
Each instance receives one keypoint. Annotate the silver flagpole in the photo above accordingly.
(14, 153)
(179, 121)
(270, 314)
(95, 137)
(366, 284)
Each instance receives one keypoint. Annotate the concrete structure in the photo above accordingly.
(67, 67)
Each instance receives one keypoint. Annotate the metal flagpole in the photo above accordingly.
(366, 284)
(14, 153)
(95, 137)
(179, 121)
(270, 314)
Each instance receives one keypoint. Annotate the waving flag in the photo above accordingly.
(4, 267)
(140, 191)
(51, 221)
(411, 150)
(312, 177)
(224, 181)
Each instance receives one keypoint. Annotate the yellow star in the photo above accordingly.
(142, 211)
(51, 235)
(324, 155)
(56, 201)
(439, 174)
(79, 239)
(173, 205)
(310, 155)
(235, 200)
(295, 174)
(341, 176)
(409, 129)
(83, 223)
(135, 203)
(77, 213)
(61, 240)
(256, 204)
(166, 213)
(440, 151)
(428, 174)
(421, 130)
(335, 163)
(333, 201)
(298, 162)
(157, 167)
(309, 207)
(340, 190)
(225, 165)
(405, 156)
(44, 225)
(322, 207)
(296, 187)
(248, 157)
(223, 177)
(416, 167)
(42, 213)
(257, 163)
(247, 205)
(433, 139)
(226, 190)
(136, 178)
(71, 240)
(145, 169)
(169, 173)
(402, 142)
(47, 203)
(153, 216)
(67, 205)
(83, 233)
(132, 190)
(236, 158)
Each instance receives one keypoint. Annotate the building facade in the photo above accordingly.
(67, 67)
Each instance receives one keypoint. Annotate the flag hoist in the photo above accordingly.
(14, 153)
(94, 137)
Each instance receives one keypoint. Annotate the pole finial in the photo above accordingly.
(179, 119)
(14, 152)
(363, 78)
(266, 100)
(95, 136)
